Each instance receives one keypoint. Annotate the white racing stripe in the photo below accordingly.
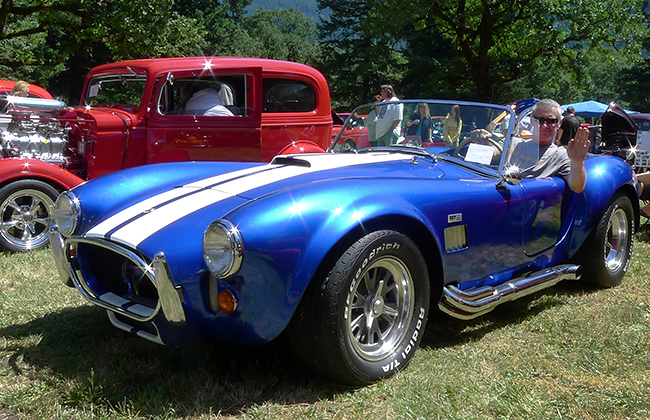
(152, 218)
(147, 205)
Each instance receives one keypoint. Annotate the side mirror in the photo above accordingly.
(511, 175)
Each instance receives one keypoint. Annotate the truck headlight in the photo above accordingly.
(223, 248)
(67, 212)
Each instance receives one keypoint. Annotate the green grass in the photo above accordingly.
(568, 353)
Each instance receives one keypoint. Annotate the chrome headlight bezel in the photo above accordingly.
(67, 213)
(223, 248)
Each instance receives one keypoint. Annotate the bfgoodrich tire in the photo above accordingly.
(364, 320)
(605, 256)
(26, 212)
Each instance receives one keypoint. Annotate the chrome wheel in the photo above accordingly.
(605, 254)
(363, 318)
(617, 240)
(381, 309)
(26, 215)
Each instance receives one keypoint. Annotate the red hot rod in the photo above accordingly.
(146, 111)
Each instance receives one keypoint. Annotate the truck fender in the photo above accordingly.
(301, 146)
(14, 169)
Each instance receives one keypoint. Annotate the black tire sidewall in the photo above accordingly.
(364, 253)
(25, 184)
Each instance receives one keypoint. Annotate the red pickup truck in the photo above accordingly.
(146, 111)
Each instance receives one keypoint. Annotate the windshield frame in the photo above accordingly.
(125, 76)
(507, 110)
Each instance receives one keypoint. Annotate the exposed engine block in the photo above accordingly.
(28, 129)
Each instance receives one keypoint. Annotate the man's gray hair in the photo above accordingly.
(549, 103)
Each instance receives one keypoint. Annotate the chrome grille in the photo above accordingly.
(114, 277)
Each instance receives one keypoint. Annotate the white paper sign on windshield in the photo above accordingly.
(479, 153)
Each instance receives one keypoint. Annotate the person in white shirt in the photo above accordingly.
(389, 120)
(206, 102)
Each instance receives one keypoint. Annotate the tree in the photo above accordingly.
(356, 60)
(25, 28)
(635, 82)
(497, 40)
(55, 44)
(282, 35)
(230, 30)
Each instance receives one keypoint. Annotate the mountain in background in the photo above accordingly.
(308, 7)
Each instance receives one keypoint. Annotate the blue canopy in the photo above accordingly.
(592, 109)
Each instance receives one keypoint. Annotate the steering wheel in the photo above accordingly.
(472, 139)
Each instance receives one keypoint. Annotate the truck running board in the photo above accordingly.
(471, 303)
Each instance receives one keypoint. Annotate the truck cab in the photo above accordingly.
(134, 112)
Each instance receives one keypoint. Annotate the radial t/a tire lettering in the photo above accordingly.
(605, 255)
(364, 320)
(26, 212)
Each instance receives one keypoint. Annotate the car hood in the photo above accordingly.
(147, 200)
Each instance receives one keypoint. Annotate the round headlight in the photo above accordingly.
(67, 211)
(223, 248)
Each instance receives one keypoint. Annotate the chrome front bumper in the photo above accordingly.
(170, 301)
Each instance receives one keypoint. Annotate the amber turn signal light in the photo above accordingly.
(227, 302)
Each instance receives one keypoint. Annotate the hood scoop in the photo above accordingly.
(291, 161)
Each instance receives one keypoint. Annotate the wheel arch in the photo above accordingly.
(12, 170)
(632, 194)
(414, 229)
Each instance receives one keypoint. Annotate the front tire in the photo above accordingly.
(26, 212)
(607, 250)
(365, 318)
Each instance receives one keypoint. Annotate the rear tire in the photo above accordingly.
(349, 144)
(365, 318)
(606, 253)
(26, 213)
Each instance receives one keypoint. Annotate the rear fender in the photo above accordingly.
(605, 176)
(301, 146)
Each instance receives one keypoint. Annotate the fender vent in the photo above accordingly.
(455, 238)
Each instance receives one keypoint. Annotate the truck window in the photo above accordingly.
(116, 90)
(209, 96)
(287, 95)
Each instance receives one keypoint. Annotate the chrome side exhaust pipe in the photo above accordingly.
(471, 303)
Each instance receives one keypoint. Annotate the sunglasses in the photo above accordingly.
(550, 121)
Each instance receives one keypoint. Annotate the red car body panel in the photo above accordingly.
(13, 169)
(6, 86)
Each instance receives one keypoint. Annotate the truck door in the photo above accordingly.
(206, 115)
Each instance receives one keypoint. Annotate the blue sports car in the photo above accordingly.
(349, 252)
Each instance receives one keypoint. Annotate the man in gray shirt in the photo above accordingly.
(540, 157)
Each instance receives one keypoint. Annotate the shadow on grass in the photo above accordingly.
(643, 233)
(88, 362)
(445, 331)
(101, 365)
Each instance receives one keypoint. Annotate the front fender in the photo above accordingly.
(287, 237)
(14, 169)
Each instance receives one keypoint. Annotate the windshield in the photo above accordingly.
(466, 131)
(124, 90)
